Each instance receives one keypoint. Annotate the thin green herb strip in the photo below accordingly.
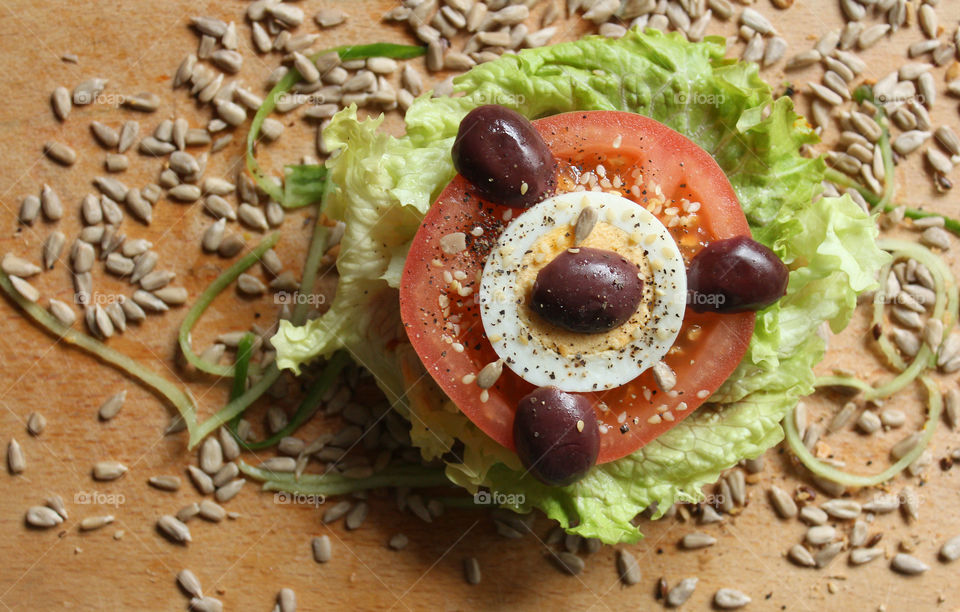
(308, 406)
(347, 52)
(235, 406)
(206, 298)
(817, 467)
(242, 365)
(177, 397)
(332, 483)
(948, 302)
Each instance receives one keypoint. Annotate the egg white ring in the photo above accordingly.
(607, 369)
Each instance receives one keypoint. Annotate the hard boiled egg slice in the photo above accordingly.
(543, 354)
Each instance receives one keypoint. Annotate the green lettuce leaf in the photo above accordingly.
(386, 184)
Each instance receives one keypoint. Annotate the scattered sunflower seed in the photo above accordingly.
(174, 529)
(112, 406)
(43, 517)
(908, 564)
(108, 470)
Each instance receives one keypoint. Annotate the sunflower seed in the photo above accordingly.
(827, 43)
(356, 516)
(62, 312)
(693, 541)
(174, 529)
(16, 266)
(189, 583)
(679, 594)
(231, 112)
(909, 503)
(921, 47)
(250, 285)
(628, 568)
(16, 463)
(42, 517)
(211, 456)
(148, 301)
(128, 135)
(843, 509)
(60, 100)
(60, 153)
(88, 91)
(803, 59)
(25, 289)
(949, 350)
(211, 511)
(92, 523)
(36, 422)
(568, 562)
(108, 470)
(321, 549)
(827, 95)
(907, 342)
(801, 556)
(232, 245)
(836, 83)
(253, 217)
(775, 51)
(904, 563)
(936, 237)
(861, 556)
(164, 483)
(872, 35)
(812, 515)
(50, 203)
(820, 534)
(730, 599)
(950, 551)
(143, 265)
(928, 20)
(157, 279)
(152, 146)
(172, 296)
(131, 310)
(782, 502)
(206, 604)
(112, 406)
(229, 490)
(185, 193)
(664, 376)
(29, 208)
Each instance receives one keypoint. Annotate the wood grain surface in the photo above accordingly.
(137, 46)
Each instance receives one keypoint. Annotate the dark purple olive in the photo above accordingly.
(735, 275)
(504, 157)
(587, 290)
(556, 435)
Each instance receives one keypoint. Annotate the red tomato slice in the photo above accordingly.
(443, 323)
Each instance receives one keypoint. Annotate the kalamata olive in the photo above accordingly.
(504, 157)
(587, 290)
(556, 435)
(735, 275)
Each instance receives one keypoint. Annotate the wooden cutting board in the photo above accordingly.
(244, 562)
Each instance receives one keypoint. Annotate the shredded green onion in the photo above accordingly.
(885, 202)
(242, 365)
(947, 303)
(308, 406)
(346, 53)
(823, 470)
(179, 398)
(206, 298)
(332, 483)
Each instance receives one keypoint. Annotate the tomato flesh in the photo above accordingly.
(437, 296)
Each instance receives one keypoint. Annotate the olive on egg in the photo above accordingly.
(587, 290)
